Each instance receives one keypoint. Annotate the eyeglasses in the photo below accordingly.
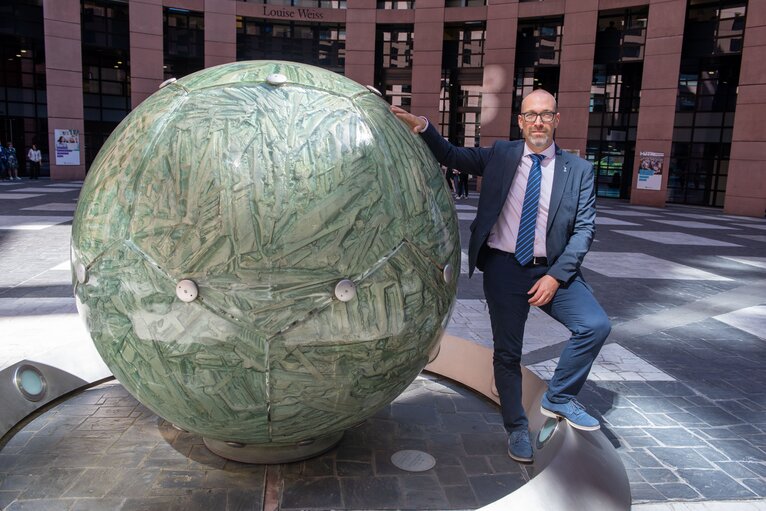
(544, 116)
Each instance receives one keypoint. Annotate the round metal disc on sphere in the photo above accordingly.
(449, 273)
(276, 79)
(345, 290)
(186, 290)
(81, 273)
(267, 198)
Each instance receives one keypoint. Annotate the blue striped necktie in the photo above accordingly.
(525, 241)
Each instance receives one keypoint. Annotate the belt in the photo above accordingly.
(536, 261)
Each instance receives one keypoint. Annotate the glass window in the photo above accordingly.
(184, 42)
(393, 63)
(614, 99)
(322, 45)
(706, 100)
(106, 71)
(23, 112)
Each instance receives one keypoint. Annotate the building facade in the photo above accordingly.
(665, 97)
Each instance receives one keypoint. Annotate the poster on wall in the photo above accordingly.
(650, 170)
(67, 147)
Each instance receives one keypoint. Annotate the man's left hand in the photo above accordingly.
(543, 291)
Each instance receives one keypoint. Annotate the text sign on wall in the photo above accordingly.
(67, 147)
(292, 13)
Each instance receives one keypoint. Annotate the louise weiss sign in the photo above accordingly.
(284, 12)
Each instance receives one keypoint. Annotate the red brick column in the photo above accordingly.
(220, 32)
(63, 72)
(360, 41)
(578, 49)
(499, 60)
(427, 58)
(659, 88)
(746, 186)
(146, 52)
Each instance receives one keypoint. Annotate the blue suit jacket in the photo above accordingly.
(572, 212)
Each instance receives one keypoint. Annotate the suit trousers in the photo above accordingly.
(506, 284)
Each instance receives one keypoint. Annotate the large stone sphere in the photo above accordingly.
(262, 186)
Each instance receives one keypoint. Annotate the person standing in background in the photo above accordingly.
(3, 164)
(34, 157)
(13, 162)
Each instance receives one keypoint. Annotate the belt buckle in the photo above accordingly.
(537, 261)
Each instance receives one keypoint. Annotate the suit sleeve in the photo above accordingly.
(568, 263)
(466, 159)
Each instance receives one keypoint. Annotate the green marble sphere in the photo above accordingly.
(265, 184)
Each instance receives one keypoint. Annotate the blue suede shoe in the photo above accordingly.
(519, 446)
(572, 411)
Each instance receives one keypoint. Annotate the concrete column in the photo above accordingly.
(427, 58)
(360, 41)
(499, 60)
(746, 185)
(577, 51)
(146, 49)
(659, 88)
(220, 32)
(63, 71)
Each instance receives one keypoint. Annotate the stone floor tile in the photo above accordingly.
(489, 488)
(359, 492)
(714, 484)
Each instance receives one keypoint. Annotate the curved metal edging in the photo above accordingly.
(575, 469)
(16, 404)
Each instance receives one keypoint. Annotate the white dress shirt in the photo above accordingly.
(503, 234)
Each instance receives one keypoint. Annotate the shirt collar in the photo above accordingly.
(549, 152)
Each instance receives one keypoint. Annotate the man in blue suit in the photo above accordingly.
(534, 225)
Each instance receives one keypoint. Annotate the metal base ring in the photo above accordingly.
(267, 454)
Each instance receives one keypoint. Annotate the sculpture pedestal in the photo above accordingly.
(269, 454)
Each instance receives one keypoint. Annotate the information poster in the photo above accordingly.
(67, 147)
(650, 170)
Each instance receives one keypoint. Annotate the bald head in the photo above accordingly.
(539, 95)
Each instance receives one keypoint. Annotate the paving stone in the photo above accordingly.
(451, 475)
(714, 484)
(625, 417)
(177, 482)
(489, 488)
(679, 457)
(363, 492)
(714, 416)
(640, 491)
(354, 469)
(657, 475)
(132, 483)
(476, 465)
(644, 459)
(244, 500)
(757, 486)
(6, 497)
(149, 504)
(51, 483)
(676, 437)
(740, 450)
(202, 500)
(676, 491)
(103, 504)
(39, 505)
(461, 497)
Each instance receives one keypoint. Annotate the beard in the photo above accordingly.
(539, 140)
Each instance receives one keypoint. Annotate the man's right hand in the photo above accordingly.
(416, 124)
